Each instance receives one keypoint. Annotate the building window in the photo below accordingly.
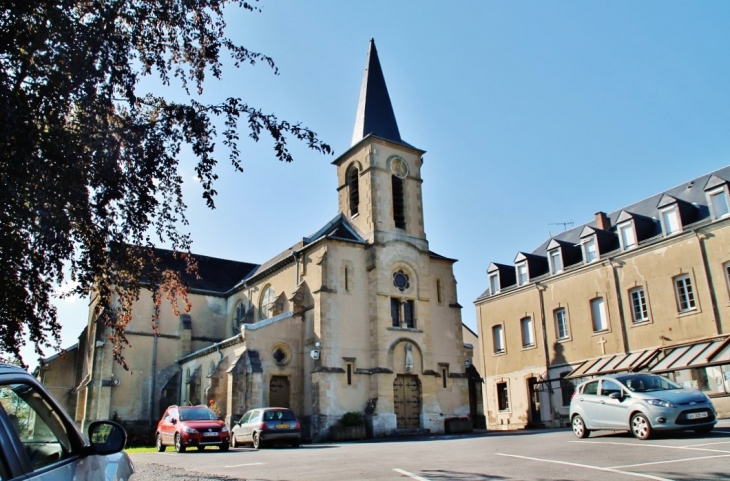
(401, 280)
(266, 307)
(502, 396)
(685, 293)
(439, 295)
(561, 324)
(399, 204)
(590, 250)
(401, 313)
(353, 189)
(528, 334)
(726, 268)
(349, 374)
(639, 309)
(556, 262)
(494, 283)
(239, 315)
(444, 375)
(670, 220)
(522, 274)
(598, 312)
(627, 236)
(498, 339)
(718, 203)
(347, 278)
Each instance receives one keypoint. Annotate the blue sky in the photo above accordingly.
(532, 114)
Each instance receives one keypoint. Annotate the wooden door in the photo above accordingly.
(279, 392)
(407, 401)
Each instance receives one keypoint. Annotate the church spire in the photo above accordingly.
(374, 110)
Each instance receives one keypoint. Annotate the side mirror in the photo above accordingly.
(615, 395)
(107, 437)
(173, 421)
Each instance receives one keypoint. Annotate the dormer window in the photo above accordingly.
(556, 262)
(523, 277)
(627, 235)
(718, 203)
(671, 222)
(590, 250)
(494, 283)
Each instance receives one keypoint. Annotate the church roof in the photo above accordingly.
(375, 114)
(214, 274)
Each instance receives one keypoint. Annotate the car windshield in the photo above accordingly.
(197, 414)
(278, 415)
(647, 383)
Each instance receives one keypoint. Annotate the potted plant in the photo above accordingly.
(351, 426)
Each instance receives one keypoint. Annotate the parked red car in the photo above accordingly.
(187, 426)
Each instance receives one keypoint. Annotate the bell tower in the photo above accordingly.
(379, 176)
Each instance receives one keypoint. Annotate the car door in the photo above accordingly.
(237, 431)
(250, 425)
(588, 402)
(167, 430)
(613, 411)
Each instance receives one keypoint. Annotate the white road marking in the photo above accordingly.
(671, 461)
(410, 475)
(643, 445)
(587, 466)
(239, 465)
(709, 444)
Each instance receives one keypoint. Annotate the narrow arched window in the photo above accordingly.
(399, 205)
(353, 187)
(267, 303)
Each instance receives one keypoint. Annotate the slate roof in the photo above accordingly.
(215, 275)
(691, 200)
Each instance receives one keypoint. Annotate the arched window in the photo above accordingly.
(238, 316)
(266, 307)
(399, 205)
(353, 187)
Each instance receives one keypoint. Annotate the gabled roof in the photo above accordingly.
(214, 275)
(374, 111)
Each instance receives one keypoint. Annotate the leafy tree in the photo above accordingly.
(89, 164)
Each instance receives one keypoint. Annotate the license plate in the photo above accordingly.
(696, 415)
(210, 434)
(282, 426)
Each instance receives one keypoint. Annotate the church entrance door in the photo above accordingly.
(279, 392)
(407, 401)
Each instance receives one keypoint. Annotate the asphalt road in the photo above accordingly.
(521, 455)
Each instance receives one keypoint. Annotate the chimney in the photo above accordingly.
(602, 221)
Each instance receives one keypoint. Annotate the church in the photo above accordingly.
(360, 316)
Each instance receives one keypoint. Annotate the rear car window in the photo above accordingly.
(591, 388)
(279, 415)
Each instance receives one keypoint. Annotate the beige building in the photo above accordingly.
(359, 316)
(646, 288)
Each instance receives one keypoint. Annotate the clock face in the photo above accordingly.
(399, 167)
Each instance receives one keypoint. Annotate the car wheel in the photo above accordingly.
(704, 430)
(579, 427)
(160, 446)
(640, 426)
(179, 446)
(224, 447)
(256, 441)
(233, 440)
(201, 448)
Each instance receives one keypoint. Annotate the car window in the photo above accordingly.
(255, 417)
(647, 383)
(591, 388)
(44, 436)
(609, 387)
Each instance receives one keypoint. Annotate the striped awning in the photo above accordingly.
(633, 361)
(707, 353)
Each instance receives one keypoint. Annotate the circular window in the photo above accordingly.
(400, 280)
(281, 354)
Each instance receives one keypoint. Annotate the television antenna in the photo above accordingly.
(565, 225)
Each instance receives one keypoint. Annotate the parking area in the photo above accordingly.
(521, 455)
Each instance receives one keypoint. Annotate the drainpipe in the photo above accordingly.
(154, 374)
(708, 279)
(541, 288)
(617, 287)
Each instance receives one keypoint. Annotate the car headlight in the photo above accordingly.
(661, 403)
(190, 430)
(224, 429)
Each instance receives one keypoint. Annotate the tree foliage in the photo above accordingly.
(90, 165)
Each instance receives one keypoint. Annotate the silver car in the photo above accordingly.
(39, 442)
(263, 426)
(641, 403)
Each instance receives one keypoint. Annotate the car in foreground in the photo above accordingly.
(188, 426)
(641, 403)
(269, 425)
(40, 442)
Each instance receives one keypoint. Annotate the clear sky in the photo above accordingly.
(532, 115)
